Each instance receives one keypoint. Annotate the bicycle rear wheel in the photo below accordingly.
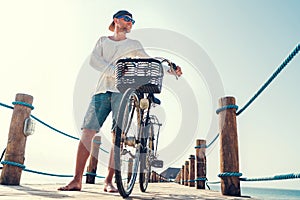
(146, 157)
(127, 143)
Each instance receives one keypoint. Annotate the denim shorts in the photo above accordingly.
(99, 108)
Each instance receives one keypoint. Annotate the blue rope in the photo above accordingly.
(54, 129)
(47, 174)
(213, 140)
(104, 150)
(5, 162)
(190, 181)
(44, 123)
(201, 179)
(37, 119)
(23, 104)
(197, 179)
(277, 177)
(97, 142)
(280, 68)
(65, 134)
(93, 174)
(213, 182)
(226, 174)
(200, 146)
(226, 107)
(207, 146)
(43, 173)
(6, 106)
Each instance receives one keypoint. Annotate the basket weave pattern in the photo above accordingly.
(143, 74)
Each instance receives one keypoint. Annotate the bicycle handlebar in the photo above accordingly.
(173, 66)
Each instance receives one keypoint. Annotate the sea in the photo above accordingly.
(267, 193)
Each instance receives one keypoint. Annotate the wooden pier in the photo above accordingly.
(95, 191)
(193, 173)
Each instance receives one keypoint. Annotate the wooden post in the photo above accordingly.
(15, 150)
(153, 177)
(192, 171)
(178, 177)
(93, 161)
(201, 163)
(160, 178)
(182, 175)
(229, 158)
(156, 177)
(186, 173)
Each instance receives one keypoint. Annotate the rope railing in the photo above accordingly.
(273, 76)
(273, 178)
(270, 178)
(23, 167)
(6, 106)
(229, 179)
(213, 141)
(52, 128)
(44, 123)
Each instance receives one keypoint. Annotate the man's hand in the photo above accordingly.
(176, 72)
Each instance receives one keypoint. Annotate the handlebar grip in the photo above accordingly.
(174, 66)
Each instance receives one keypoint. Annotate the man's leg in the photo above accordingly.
(115, 102)
(108, 187)
(83, 153)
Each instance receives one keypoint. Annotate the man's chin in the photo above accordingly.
(127, 30)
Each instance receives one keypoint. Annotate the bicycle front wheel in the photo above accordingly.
(127, 143)
(146, 157)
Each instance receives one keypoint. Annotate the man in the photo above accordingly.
(106, 98)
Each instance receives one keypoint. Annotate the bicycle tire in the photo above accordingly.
(146, 157)
(126, 154)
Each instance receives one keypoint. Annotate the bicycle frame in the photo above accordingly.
(138, 79)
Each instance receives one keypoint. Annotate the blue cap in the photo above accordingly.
(116, 15)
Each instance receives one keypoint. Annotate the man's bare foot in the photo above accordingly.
(108, 187)
(72, 186)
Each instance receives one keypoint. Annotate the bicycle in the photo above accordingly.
(135, 141)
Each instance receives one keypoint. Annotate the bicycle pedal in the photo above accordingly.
(157, 163)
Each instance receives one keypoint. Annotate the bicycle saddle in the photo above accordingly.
(155, 100)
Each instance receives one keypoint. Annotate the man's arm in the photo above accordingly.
(97, 61)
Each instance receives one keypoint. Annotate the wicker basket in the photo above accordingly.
(143, 74)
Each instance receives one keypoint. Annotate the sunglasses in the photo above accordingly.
(127, 19)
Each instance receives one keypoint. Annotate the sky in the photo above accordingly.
(44, 49)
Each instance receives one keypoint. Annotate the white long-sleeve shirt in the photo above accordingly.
(105, 55)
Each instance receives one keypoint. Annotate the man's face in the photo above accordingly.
(123, 24)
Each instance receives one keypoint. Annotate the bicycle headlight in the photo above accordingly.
(144, 103)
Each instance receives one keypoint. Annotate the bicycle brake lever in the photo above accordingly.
(173, 69)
